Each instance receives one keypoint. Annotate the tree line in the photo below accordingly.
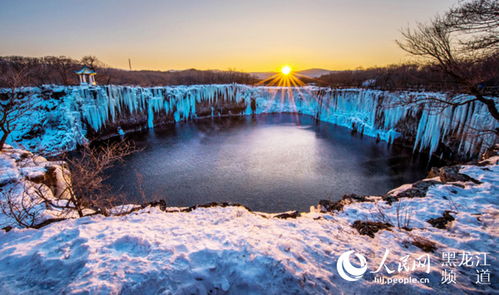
(60, 70)
(411, 76)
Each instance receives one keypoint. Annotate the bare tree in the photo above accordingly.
(80, 189)
(463, 44)
(104, 72)
(62, 65)
(86, 185)
(478, 18)
(20, 206)
(14, 101)
(91, 61)
(84, 189)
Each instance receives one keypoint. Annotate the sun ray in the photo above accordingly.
(288, 85)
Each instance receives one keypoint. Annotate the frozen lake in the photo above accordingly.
(269, 163)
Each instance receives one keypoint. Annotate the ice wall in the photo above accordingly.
(370, 112)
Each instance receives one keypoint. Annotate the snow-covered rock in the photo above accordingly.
(23, 178)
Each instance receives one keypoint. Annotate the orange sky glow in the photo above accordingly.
(243, 35)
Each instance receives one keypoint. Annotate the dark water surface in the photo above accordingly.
(269, 163)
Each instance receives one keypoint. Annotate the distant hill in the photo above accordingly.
(315, 73)
(312, 73)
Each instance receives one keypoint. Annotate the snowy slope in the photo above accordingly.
(61, 117)
(230, 250)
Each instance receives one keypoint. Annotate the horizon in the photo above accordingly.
(219, 35)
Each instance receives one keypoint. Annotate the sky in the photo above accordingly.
(244, 35)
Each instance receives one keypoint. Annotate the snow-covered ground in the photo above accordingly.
(230, 250)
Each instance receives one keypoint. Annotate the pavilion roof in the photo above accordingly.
(85, 70)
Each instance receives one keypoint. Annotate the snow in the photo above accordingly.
(23, 176)
(230, 250)
(57, 124)
(52, 125)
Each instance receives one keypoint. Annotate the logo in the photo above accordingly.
(348, 271)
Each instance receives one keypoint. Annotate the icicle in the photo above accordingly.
(367, 109)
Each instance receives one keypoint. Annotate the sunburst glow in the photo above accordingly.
(286, 70)
(286, 77)
(287, 84)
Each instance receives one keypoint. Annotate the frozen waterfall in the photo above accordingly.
(371, 112)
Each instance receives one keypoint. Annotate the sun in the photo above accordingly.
(286, 70)
(284, 77)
